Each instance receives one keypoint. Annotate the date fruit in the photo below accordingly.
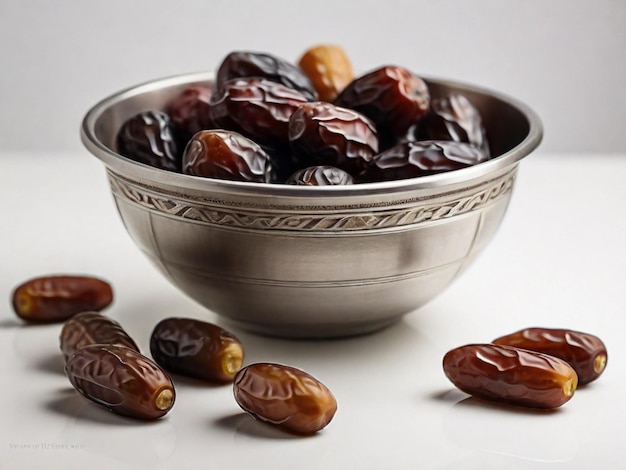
(244, 64)
(226, 155)
(329, 69)
(196, 349)
(89, 328)
(284, 396)
(393, 97)
(257, 108)
(322, 175)
(122, 380)
(150, 138)
(324, 134)
(415, 159)
(453, 118)
(586, 353)
(189, 111)
(59, 297)
(511, 375)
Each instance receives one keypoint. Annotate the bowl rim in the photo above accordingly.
(125, 166)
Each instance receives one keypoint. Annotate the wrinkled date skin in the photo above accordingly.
(284, 396)
(89, 328)
(122, 380)
(586, 353)
(257, 108)
(393, 97)
(150, 138)
(322, 175)
(196, 349)
(453, 118)
(243, 64)
(189, 111)
(414, 159)
(226, 155)
(511, 375)
(329, 69)
(324, 134)
(57, 298)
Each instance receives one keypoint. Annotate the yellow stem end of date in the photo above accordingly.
(232, 359)
(599, 363)
(165, 399)
(570, 387)
(23, 304)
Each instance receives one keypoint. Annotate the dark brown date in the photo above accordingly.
(150, 138)
(89, 328)
(226, 155)
(329, 69)
(57, 298)
(196, 349)
(243, 64)
(284, 396)
(122, 380)
(454, 118)
(393, 97)
(320, 176)
(257, 108)
(511, 375)
(584, 352)
(415, 159)
(189, 111)
(324, 134)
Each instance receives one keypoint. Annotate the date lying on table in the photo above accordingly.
(197, 349)
(57, 298)
(89, 328)
(122, 380)
(511, 375)
(586, 353)
(284, 396)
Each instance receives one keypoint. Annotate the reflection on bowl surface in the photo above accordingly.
(312, 262)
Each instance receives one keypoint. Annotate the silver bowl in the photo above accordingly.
(312, 262)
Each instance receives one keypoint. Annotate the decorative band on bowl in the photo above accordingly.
(407, 212)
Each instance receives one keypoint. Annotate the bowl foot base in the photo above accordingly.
(311, 332)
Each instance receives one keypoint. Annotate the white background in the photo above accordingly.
(565, 58)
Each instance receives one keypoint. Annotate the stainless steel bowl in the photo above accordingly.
(312, 262)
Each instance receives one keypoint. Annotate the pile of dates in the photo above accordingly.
(267, 120)
(105, 365)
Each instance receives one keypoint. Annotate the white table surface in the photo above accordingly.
(558, 260)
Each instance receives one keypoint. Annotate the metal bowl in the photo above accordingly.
(312, 262)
